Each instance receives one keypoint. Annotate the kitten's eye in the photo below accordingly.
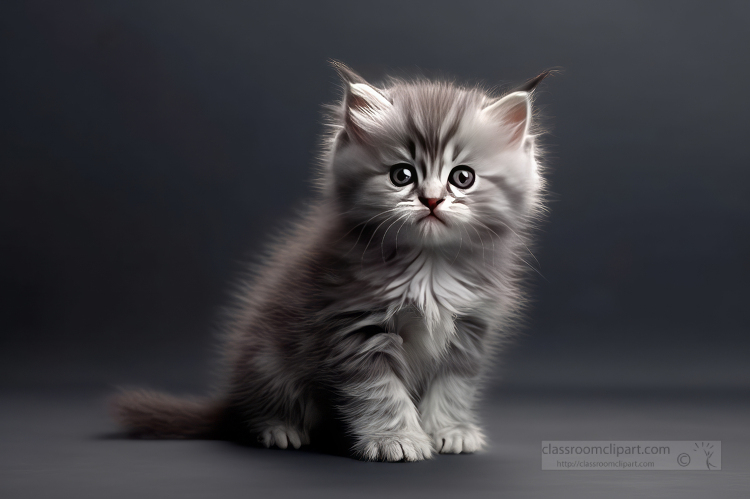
(462, 177)
(403, 174)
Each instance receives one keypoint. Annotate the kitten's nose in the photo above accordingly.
(431, 203)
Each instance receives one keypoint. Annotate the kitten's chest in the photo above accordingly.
(421, 295)
(424, 298)
(430, 284)
(424, 341)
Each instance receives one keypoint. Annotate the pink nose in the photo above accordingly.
(431, 203)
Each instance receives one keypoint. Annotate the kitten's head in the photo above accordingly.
(432, 163)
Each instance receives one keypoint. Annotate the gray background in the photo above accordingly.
(148, 148)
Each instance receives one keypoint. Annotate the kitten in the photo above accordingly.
(381, 307)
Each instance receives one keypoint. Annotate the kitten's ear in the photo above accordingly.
(363, 103)
(514, 112)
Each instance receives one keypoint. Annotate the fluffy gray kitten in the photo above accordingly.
(381, 307)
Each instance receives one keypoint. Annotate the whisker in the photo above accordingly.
(399, 230)
(460, 245)
(533, 268)
(527, 249)
(492, 240)
(386, 233)
(371, 238)
(364, 226)
(522, 242)
(480, 240)
(471, 241)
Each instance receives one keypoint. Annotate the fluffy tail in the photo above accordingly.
(148, 414)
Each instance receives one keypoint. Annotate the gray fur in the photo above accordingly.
(390, 313)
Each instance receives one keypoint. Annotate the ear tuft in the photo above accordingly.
(346, 74)
(530, 85)
(514, 113)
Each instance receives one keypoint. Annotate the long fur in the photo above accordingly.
(150, 414)
(373, 309)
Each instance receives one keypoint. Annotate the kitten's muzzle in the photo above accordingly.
(432, 204)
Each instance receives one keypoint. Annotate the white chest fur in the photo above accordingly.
(425, 296)
(431, 284)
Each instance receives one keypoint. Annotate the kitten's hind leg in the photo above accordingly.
(272, 405)
(375, 403)
(290, 432)
(283, 435)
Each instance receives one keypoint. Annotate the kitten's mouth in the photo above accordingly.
(431, 217)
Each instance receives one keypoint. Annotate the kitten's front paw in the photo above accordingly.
(466, 438)
(411, 446)
(282, 436)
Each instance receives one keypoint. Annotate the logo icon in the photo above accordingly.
(707, 451)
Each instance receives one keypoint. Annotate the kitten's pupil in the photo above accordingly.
(462, 177)
(402, 174)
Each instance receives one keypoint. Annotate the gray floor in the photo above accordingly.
(62, 445)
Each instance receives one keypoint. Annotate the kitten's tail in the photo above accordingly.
(144, 413)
